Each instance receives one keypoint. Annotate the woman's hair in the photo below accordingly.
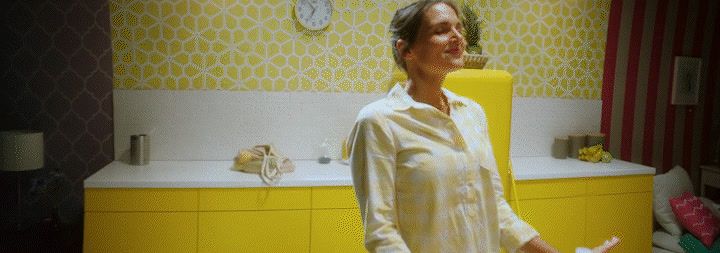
(405, 25)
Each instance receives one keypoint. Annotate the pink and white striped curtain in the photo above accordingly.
(642, 126)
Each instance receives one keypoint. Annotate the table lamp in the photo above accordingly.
(21, 150)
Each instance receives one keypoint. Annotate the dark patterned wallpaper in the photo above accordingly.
(56, 77)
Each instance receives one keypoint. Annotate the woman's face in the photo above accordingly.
(440, 44)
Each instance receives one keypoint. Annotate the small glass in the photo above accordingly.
(324, 152)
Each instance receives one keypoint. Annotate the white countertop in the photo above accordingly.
(217, 174)
(212, 174)
(542, 167)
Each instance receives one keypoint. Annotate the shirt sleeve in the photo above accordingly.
(372, 162)
(514, 232)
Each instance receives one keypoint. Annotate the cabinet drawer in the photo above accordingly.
(124, 232)
(123, 199)
(624, 184)
(550, 188)
(628, 216)
(337, 230)
(254, 199)
(286, 231)
(561, 221)
(333, 197)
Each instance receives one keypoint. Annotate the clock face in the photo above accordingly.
(313, 14)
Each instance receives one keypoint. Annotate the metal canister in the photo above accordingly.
(577, 141)
(560, 148)
(139, 149)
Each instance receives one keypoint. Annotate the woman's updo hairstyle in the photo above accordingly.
(405, 25)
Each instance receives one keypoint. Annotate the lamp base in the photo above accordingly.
(45, 236)
(18, 214)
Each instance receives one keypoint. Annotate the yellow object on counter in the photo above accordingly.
(606, 157)
(345, 155)
(594, 154)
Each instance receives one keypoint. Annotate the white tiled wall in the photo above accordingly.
(536, 122)
(214, 125)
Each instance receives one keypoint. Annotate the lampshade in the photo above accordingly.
(21, 150)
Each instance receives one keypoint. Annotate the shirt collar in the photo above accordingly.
(400, 100)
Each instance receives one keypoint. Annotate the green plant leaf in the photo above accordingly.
(472, 27)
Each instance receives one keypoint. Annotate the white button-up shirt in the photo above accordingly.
(428, 182)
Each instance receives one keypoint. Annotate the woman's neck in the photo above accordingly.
(426, 88)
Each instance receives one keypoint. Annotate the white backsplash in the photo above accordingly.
(214, 125)
(537, 121)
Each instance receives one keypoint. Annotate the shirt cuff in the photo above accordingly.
(517, 236)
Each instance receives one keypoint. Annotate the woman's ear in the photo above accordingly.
(401, 46)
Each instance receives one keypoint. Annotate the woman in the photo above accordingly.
(422, 163)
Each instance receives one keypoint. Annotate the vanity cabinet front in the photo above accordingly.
(254, 220)
(282, 219)
(568, 213)
(584, 212)
(140, 220)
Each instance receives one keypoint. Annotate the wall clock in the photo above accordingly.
(313, 14)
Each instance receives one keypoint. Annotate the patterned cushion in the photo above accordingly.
(695, 217)
(691, 244)
(666, 186)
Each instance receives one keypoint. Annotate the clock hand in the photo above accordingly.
(313, 8)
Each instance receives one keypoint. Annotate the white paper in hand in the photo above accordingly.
(600, 249)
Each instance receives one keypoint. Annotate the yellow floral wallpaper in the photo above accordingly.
(552, 48)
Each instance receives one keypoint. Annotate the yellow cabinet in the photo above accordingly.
(621, 206)
(142, 200)
(334, 197)
(254, 220)
(171, 232)
(337, 230)
(560, 222)
(628, 216)
(336, 222)
(233, 199)
(576, 212)
(254, 231)
(568, 213)
(556, 209)
(140, 220)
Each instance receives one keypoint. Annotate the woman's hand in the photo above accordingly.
(607, 246)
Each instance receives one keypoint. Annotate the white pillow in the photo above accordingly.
(666, 241)
(661, 250)
(714, 207)
(669, 185)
